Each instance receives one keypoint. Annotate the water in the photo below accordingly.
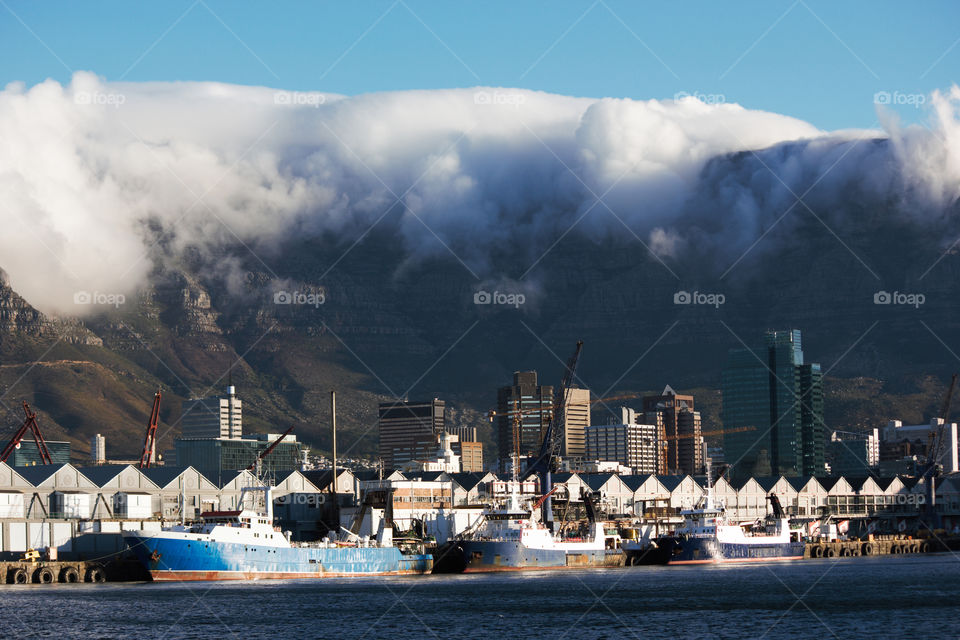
(885, 597)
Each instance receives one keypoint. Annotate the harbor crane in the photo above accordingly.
(931, 469)
(150, 440)
(519, 413)
(29, 424)
(268, 450)
(550, 445)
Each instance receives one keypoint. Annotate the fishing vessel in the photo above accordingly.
(245, 545)
(707, 537)
(510, 538)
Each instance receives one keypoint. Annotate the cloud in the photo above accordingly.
(99, 179)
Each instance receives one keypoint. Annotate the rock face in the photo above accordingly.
(374, 325)
(19, 319)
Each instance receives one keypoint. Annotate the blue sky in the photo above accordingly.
(819, 61)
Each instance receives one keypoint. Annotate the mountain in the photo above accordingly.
(378, 326)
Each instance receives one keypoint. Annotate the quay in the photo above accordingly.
(878, 546)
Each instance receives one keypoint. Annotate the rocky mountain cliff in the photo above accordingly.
(290, 328)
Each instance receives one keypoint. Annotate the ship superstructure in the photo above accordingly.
(244, 545)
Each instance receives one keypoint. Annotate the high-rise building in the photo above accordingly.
(524, 410)
(465, 434)
(899, 440)
(776, 400)
(471, 455)
(219, 458)
(213, 417)
(98, 449)
(27, 453)
(467, 447)
(679, 427)
(576, 418)
(409, 430)
(853, 454)
(632, 445)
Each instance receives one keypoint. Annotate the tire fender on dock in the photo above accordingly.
(45, 575)
(868, 549)
(831, 553)
(69, 575)
(96, 574)
(817, 551)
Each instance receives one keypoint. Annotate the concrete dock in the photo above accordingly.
(877, 547)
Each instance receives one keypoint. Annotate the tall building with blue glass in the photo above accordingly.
(773, 409)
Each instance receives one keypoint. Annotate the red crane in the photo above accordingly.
(149, 443)
(266, 452)
(29, 423)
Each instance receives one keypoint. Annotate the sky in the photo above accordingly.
(824, 62)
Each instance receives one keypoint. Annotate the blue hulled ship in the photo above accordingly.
(707, 537)
(244, 545)
(511, 539)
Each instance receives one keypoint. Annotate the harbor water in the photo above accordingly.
(882, 597)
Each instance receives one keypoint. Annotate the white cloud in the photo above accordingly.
(87, 168)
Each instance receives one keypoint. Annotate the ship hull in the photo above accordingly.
(180, 558)
(487, 556)
(709, 551)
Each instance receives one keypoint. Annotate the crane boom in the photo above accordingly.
(930, 470)
(715, 432)
(550, 445)
(150, 440)
(268, 450)
(29, 424)
(936, 448)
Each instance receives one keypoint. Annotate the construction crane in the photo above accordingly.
(715, 432)
(550, 446)
(268, 450)
(518, 414)
(150, 441)
(931, 468)
(30, 423)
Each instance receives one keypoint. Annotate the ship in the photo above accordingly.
(510, 538)
(245, 545)
(707, 537)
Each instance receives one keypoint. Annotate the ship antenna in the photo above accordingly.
(709, 504)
